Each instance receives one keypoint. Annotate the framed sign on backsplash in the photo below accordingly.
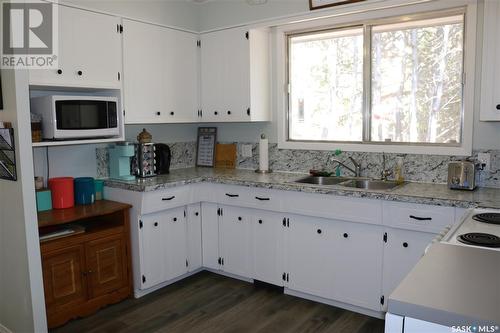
(319, 4)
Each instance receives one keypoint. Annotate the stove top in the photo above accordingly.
(480, 239)
(477, 228)
(493, 218)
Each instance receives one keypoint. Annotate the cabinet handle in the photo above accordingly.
(216, 113)
(420, 218)
(248, 111)
(228, 112)
(498, 106)
(80, 73)
(239, 218)
(155, 224)
(232, 195)
(175, 219)
(158, 113)
(260, 221)
(168, 199)
(262, 199)
(405, 244)
(346, 235)
(172, 113)
(59, 71)
(319, 231)
(196, 213)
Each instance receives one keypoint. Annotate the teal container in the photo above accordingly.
(99, 188)
(84, 191)
(43, 200)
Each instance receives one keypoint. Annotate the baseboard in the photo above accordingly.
(229, 275)
(140, 293)
(350, 307)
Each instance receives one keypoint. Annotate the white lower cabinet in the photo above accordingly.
(402, 250)
(210, 232)
(194, 237)
(268, 246)
(309, 255)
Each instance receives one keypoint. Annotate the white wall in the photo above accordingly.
(22, 305)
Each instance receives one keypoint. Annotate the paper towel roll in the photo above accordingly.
(263, 154)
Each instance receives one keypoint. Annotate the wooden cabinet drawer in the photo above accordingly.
(424, 218)
(333, 207)
(165, 199)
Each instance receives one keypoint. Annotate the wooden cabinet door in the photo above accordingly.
(63, 277)
(402, 251)
(309, 252)
(268, 251)
(357, 259)
(235, 240)
(106, 265)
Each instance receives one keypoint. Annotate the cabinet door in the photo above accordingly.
(154, 260)
(175, 242)
(143, 72)
(235, 240)
(194, 236)
(212, 77)
(309, 253)
(210, 232)
(98, 48)
(106, 265)
(268, 247)
(63, 277)
(357, 259)
(403, 250)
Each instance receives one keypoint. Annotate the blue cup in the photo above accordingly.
(84, 191)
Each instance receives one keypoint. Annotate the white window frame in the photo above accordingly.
(468, 103)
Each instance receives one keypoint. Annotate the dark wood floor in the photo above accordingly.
(209, 302)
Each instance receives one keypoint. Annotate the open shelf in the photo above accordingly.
(76, 142)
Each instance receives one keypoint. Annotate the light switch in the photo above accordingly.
(246, 150)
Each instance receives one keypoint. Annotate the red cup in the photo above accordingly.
(63, 195)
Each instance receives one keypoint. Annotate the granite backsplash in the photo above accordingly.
(418, 168)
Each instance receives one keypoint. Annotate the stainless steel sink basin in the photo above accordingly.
(318, 180)
(370, 184)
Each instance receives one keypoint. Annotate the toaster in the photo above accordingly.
(462, 175)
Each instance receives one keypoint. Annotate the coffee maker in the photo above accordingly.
(119, 161)
(151, 159)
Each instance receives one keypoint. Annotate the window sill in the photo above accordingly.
(464, 150)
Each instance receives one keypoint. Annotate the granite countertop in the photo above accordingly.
(451, 285)
(423, 193)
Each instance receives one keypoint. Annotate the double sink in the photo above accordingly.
(356, 182)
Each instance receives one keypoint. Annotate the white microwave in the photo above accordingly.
(77, 117)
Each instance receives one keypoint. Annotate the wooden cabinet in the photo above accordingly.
(160, 74)
(490, 87)
(85, 271)
(402, 250)
(90, 51)
(164, 246)
(235, 79)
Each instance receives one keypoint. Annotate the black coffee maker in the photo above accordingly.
(163, 156)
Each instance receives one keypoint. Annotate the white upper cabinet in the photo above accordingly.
(490, 86)
(90, 54)
(235, 80)
(160, 74)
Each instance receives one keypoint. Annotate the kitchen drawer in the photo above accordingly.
(156, 201)
(231, 195)
(424, 218)
(333, 207)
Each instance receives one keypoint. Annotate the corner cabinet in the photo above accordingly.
(90, 53)
(160, 74)
(235, 75)
(490, 86)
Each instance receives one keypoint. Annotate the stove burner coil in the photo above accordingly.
(480, 239)
(492, 218)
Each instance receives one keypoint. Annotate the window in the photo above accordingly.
(396, 81)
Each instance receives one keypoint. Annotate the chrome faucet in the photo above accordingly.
(357, 167)
(385, 172)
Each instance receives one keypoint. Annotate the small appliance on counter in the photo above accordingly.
(462, 175)
(150, 158)
(119, 161)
